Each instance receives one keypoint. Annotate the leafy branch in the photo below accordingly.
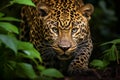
(110, 54)
(18, 58)
(25, 2)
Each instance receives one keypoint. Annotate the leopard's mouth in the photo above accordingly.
(64, 57)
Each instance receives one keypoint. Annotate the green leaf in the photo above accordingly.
(9, 27)
(116, 41)
(9, 19)
(12, 64)
(33, 54)
(9, 42)
(110, 54)
(40, 68)
(106, 43)
(26, 2)
(1, 14)
(99, 64)
(29, 50)
(24, 45)
(52, 73)
(25, 70)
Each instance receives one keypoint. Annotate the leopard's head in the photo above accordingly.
(64, 25)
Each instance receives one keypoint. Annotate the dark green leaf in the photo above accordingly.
(9, 27)
(106, 54)
(106, 51)
(99, 64)
(41, 68)
(52, 73)
(116, 41)
(12, 65)
(112, 56)
(1, 14)
(26, 2)
(9, 19)
(9, 42)
(25, 70)
(106, 43)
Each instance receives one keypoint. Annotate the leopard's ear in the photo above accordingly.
(87, 10)
(43, 10)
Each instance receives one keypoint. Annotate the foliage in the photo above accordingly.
(110, 54)
(104, 29)
(25, 2)
(20, 59)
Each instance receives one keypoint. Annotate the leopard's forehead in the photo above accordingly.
(64, 11)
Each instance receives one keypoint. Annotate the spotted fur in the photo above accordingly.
(59, 30)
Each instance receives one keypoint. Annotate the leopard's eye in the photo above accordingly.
(55, 30)
(74, 30)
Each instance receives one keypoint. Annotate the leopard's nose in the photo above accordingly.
(64, 48)
(64, 45)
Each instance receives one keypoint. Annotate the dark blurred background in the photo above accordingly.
(105, 20)
(105, 23)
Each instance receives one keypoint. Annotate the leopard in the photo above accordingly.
(60, 31)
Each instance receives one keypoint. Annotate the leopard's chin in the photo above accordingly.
(64, 57)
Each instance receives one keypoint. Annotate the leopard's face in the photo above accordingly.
(64, 36)
(58, 24)
(65, 29)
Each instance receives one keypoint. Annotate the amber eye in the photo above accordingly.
(55, 30)
(74, 30)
